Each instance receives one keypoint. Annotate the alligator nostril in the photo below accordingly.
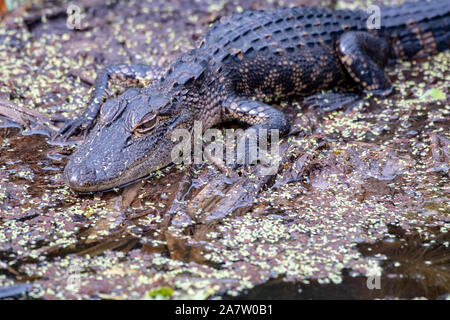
(80, 176)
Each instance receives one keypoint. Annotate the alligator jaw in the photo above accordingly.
(83, 179)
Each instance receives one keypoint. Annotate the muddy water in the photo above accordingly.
(414, 268)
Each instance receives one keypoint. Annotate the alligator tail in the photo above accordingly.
(417, 28)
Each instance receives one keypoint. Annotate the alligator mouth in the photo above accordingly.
(92, 186)
(75, 182)
(111, 186)
(78, 179)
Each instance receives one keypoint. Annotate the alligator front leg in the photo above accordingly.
(262, 118)
(123, 74)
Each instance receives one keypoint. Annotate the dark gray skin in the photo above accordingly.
(244, 61)
(129, 157)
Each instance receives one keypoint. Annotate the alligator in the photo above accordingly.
(243, 63)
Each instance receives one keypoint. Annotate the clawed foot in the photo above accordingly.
(331, 101)
(244, 160)
(72, 127)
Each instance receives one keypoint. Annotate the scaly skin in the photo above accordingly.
(244, 61)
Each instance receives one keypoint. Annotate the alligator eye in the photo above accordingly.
(149, 121)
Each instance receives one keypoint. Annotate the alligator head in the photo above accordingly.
(131, 139)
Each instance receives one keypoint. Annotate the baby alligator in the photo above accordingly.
(244, 61)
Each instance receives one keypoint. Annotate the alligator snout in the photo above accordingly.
(80, 178)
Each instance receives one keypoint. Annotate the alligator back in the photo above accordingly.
(280, 53)
(413, 28)
(252, 44)
(273, 32)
